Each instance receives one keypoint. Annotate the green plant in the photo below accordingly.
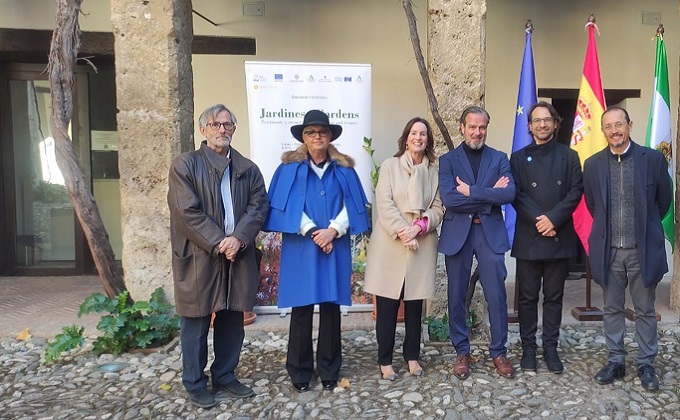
(71, 336)
(438, 328)
(130, 325)
(472, 321)
(375, 170)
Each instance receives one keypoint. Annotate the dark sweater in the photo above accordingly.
(622, 200)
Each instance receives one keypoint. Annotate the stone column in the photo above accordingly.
(154, 88)
(456, 56)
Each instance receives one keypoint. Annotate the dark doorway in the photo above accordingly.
(41, 234)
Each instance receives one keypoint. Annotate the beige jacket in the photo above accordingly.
(389, 264)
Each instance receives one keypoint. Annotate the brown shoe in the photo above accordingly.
(461, 368)
(504, 367)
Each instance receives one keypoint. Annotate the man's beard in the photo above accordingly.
(474, 144)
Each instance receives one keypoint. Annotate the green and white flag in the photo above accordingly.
(659, 125)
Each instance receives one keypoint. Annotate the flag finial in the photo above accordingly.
(660, 30)
(529, 27)
(591, 22)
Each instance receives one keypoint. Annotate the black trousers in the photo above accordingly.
(386, 325)
(300, 359)
(553, 273)
(228, 334)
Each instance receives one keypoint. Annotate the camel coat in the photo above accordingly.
(389, 264)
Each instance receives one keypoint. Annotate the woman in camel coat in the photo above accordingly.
(402, 252)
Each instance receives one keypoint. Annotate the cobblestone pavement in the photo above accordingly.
(150, 386)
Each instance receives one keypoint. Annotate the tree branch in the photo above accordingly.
(432, 99)
(62, 59)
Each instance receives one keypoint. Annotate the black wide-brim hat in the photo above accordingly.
(315, 117)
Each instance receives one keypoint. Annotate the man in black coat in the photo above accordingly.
(627, 191)
(549, 187)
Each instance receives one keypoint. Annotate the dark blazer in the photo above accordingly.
(548, 181)
(652, 194)
(484, 200)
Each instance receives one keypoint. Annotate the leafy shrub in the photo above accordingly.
(71, 336)
(129, 325)
(438, 328)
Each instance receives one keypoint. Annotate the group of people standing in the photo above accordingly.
(218, 204)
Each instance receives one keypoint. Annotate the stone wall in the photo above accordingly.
(456, 37)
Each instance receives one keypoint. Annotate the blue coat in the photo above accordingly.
(307, 275)
(652, 195)
(484, 200)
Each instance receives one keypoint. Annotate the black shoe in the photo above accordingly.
(329, 385)
(528, 363)
(553, 360)
(235, 389)
(301, 386)
(648, 377)
(611, 371)
(202, 398)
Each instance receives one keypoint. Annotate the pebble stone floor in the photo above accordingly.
(150, 386)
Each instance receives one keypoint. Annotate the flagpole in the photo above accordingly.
(659, 134)
(526, 97)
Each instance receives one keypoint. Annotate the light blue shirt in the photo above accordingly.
(225, 187)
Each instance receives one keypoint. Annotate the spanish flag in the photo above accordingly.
(587, 137)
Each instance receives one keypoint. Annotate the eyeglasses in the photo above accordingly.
(546, 120)
(216, 125)
(610, 127)
(321, 133)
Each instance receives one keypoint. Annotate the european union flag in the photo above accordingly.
(525, 99)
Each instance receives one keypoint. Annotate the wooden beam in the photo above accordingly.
(612, 96)
(33, 45)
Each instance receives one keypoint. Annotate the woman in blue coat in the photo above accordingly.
(316, 203)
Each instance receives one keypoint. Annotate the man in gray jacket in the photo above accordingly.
(218, 203)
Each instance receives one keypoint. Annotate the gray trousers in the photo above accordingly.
(625, 272)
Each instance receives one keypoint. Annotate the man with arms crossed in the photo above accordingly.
(474, 181)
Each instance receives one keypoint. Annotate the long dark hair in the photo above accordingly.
(429, 147)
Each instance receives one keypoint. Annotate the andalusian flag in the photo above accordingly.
(659, 125)
(587, 137)
(526, 98)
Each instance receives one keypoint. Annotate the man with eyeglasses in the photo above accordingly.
(317, 202)
(549, 186)
(218, 203)
(627, 191)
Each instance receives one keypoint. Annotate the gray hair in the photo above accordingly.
(473, 109)
(211, 113)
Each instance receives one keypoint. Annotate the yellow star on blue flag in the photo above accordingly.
(520, 110)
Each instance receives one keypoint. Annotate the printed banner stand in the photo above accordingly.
(279, 95)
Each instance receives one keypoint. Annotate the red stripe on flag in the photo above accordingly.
(591, 67)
